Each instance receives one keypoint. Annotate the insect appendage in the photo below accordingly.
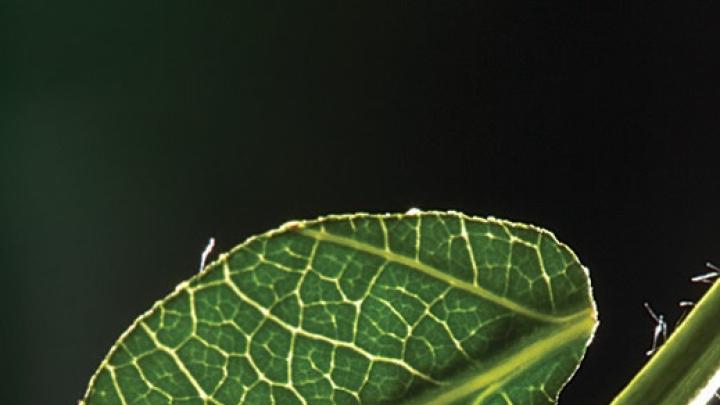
(708, 277)
(660, 329)
(206, 253)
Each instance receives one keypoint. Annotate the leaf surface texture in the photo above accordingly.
(424, 307)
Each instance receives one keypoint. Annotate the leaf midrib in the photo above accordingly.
(496, 377)
(439, 275)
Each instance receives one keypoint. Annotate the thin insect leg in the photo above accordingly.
(663, 326)
(651, 312)
(654, 343)
(685, 305)
(660, 329)
(708, 277)
(206, 253)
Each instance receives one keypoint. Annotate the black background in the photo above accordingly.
(131, 133)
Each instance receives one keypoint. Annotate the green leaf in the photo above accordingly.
(425, 307)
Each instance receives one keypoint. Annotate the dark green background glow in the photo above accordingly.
(131, 133)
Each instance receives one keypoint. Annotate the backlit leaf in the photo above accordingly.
(424, 307)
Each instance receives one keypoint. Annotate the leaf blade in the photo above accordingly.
(397, 303)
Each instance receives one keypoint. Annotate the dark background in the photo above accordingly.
(129, 134)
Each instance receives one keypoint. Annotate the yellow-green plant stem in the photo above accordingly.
(686, 363)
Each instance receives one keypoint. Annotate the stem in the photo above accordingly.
(683, 369)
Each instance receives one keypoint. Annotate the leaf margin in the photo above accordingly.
(299, 225)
